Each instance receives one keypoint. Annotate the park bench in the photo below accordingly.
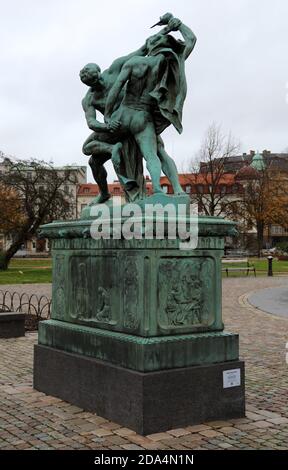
(248, 268)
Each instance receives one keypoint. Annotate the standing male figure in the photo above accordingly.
(155, 90)
(100, 143)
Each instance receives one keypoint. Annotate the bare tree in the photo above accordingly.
(42, 196)
(208, 171)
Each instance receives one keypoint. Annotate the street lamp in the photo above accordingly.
(270, 269)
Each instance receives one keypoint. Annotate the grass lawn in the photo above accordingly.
(27, 271)
(261, 265)
(39, 271)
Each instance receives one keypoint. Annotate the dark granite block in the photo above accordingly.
(145, 402)
(12, 325)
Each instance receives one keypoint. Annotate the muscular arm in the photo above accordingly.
(90, 113)
(174, 24)
(115, 90)
(189, 38)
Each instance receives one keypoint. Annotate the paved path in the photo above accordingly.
(32, 420)
(38, 289)
(271, 300)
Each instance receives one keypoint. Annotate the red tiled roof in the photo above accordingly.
(92, 189)
(87, 189)
(200, 178)
(193, 179)
(114, 188)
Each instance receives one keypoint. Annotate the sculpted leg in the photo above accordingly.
(95, 147)
(128, 183)
(147, 142)
(168, 167)
(116, 156)
(96, 163)
(100, 152)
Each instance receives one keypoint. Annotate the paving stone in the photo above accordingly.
(210, 433)
(198, 428)
(124, 432)
(178, 432)
(31, 420)
(263, 424)
(229, 430)
(278, 421)
(254, 416)
(131, 447)
(102, 432)
(218, 424)
(159, 436)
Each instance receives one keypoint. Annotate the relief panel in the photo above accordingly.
(185, 293)
(130, 293)
(58, 296)
(94, 290)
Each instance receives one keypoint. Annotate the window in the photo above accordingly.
(276, 229)
(188, 188)
(86, 190)
(200, 189)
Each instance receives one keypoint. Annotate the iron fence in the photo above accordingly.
(35, 308)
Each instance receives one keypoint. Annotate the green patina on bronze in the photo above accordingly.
(143, 304)
(146, 291)
(139, 353)
(140, 95)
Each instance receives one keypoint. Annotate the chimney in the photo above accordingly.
(252, 153)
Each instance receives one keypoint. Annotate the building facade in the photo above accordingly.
(34, 245)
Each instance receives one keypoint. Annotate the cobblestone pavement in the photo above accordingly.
(32, 420)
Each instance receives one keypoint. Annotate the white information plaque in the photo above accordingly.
(231, 378)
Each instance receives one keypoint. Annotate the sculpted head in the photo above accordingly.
(90, 74)
(157, 41)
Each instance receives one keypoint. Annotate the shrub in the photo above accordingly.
(283, 246)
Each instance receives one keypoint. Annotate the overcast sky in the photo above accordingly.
(237, 74)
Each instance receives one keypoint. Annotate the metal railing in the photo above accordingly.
(35, 308)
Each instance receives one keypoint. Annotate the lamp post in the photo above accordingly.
(270, 268)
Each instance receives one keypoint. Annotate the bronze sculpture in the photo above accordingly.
(136, 114)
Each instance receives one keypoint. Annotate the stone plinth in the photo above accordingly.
(12, 325)
(145, 402)
(138, 320)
